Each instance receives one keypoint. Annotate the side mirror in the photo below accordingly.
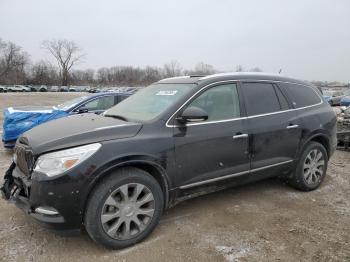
(83, 110)
(192, 114)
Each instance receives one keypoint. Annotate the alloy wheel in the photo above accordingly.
(313, 168)
(127, 211)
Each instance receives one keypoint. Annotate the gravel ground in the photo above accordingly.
(264, 221)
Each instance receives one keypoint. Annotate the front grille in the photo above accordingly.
(24, 158)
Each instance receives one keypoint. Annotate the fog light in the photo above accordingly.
(49, 211)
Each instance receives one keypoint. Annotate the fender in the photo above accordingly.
(133, 160)
(314, 134)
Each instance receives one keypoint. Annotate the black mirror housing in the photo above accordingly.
(83, 110)
(192, 114)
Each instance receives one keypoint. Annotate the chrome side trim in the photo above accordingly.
(240, 118)
(232, 175)
(273, 165)
(293, 126)
(213, 180)
(240, 136)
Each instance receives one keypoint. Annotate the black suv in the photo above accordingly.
(115, 173)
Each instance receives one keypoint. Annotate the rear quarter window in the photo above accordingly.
(300, 95)
(260, 98)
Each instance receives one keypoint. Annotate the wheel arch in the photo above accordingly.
(151, 167)
(318, 137)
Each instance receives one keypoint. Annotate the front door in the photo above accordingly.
(210, 150)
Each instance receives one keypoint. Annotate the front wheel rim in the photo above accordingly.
(127, 211)
(313, 168)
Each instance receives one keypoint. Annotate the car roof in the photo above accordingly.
(231, 76)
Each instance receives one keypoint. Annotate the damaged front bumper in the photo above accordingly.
(16, 189)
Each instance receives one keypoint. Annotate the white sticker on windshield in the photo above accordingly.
(166, 93)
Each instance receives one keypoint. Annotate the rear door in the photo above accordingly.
(273, 127)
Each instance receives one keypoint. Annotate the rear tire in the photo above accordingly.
(124, 208)
(311, 168)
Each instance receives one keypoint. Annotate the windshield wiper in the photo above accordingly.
(117, 117)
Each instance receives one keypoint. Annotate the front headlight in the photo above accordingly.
(56, 163)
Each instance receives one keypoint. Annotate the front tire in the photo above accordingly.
(124, 208)
(311, 168)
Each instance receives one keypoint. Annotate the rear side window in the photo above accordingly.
(282, 99)
(260, 98)
(301, 96)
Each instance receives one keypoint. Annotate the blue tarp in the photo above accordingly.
(18, 121)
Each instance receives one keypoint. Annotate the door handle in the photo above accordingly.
(292, 126)
(240, 136)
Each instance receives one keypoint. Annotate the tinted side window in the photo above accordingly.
(301, 95)
(101, 103)
(121, 98)
(92, 105)
(220, 102)
(260, 98)
(282, 99)
(105, 102)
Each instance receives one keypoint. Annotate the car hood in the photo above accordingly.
(77, 130)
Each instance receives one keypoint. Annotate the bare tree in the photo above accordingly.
(172, 69)
(43, 73)
(66, 53)
(83, 77)
(201, 69)
(13, 62)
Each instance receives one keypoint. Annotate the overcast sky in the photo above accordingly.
(307, 39)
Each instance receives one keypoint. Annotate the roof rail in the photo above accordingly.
(197, 75)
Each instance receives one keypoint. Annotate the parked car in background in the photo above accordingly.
(42, 88)
(39, 88)
(3, 89)
(180, 137)
(64, 89)
(54, 89)
(345, 100)
(82, 88)
(333, 97)
(18, 88)
(72, 89)
(93, 90)
(17, 120)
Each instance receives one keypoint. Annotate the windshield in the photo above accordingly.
(150, 102)
(71, 103)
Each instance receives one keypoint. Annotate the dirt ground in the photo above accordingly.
(264, 221)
